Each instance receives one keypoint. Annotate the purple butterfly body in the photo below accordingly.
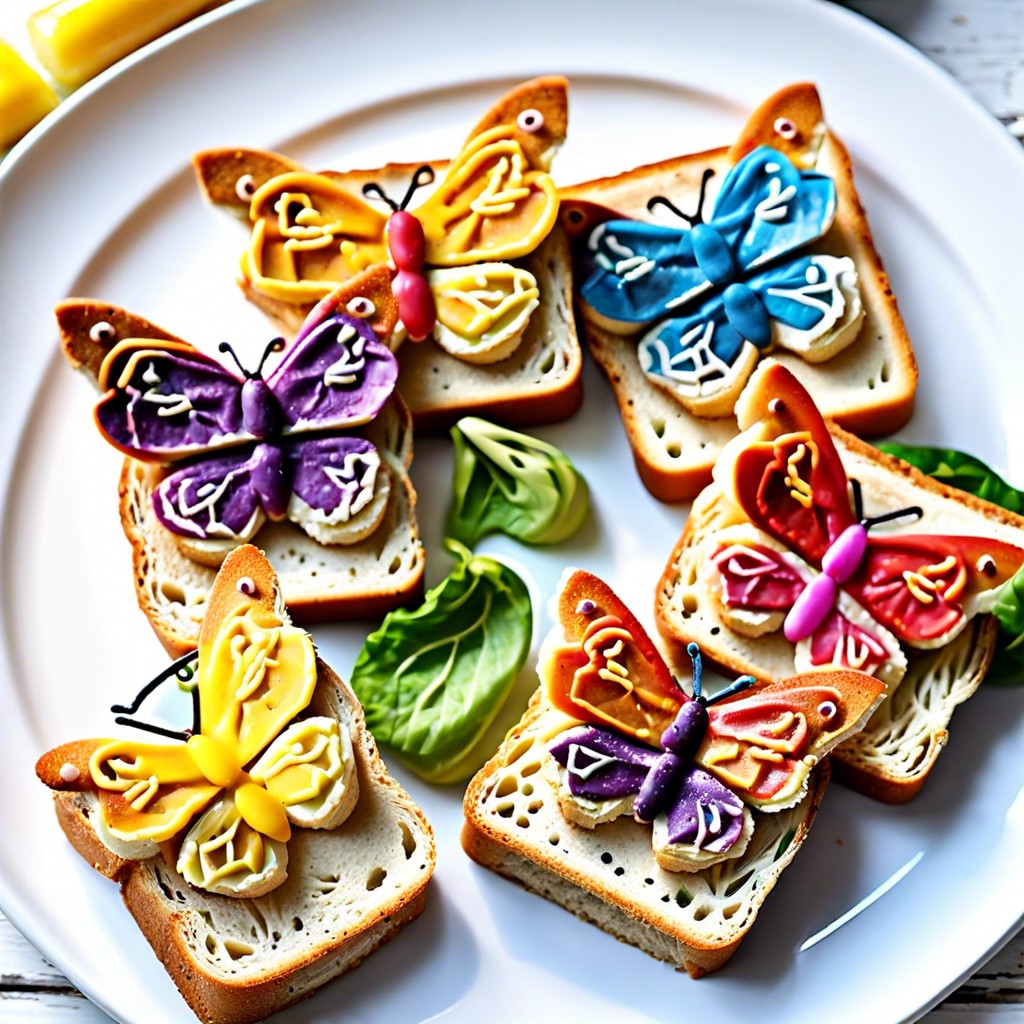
(252, 448)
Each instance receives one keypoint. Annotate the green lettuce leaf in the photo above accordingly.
(960, 470)
(512, 483)
(972, 475)
(433, 678)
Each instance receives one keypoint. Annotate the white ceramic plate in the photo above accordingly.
(886, 908)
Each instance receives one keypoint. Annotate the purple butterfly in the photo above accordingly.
(250, 447)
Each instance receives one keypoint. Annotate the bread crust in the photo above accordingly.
(868, 388)
(891, 758)
(513, 825)
(222, 982)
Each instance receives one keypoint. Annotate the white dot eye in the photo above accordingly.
(785, 128)
(244, 187)
(102, 332)
(246, 586)
(828, 710)
(586, 607)
(986, 565)
(361, 307)
(530, 120)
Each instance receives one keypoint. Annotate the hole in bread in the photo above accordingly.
(237, 950)
(883, 374)
(673, 451)
(164, 888)
(523, 821)
(172, 592)
(606, 858)
(684, 897)
(620, 871)
(701, 912)
(375, 879)
(519, 750)
(297, 924)
(547, 364)
(658, 426)
(506, 786)
(715, 630)
(505, 810)
(530, 769)
(276, 936)
(395, 566)
(871, 383)
(526, 789)
(554, 839)
(731, 910)
(534, 806)
(408, 840)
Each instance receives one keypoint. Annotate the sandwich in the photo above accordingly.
(311, 458)
(261, 847)
(480, 269)
(663, 817)
(813, 550)
(691, 269)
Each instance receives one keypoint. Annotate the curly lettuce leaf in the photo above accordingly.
(970, 474)
(512, 483)
(432, 679)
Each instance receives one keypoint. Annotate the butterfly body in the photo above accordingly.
(407, 245)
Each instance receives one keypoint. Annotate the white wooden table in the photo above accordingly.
(981, 44)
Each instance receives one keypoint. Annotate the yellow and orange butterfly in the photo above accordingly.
(495, 202)
(253, 764)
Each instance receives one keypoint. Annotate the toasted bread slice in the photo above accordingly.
(320, 581)
(609, 875)
(348, 888)
(868, 387)
(540, 381)
(891, 758)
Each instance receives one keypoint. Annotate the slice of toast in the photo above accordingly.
(540, 382)
(891, 758)
(608, 875)
(649, 812)
(320, 581)
(868, 387)
(348, 888)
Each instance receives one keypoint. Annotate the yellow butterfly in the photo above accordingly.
(252, 767)
(495, 202)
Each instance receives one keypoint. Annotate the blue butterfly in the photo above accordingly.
(720, 292)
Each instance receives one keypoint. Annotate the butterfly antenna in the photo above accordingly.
(159, 730)
(423, 175)
(741, 684)
(696, 218)
(225, 346)
(914, 510)
(694, 652)
(373, 191)
(858, 499)
(182, 670)
(274, 346)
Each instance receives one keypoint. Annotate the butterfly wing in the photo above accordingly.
(602, 764)
(339, 487)
(310, 234)
(607, 671)
(767, 208)
(764, 743)
(925, 587)
(165, 400)
(756, 577)
(256, 672)
(705, 815)
(337, 375)
(783, 470)
(496, 200)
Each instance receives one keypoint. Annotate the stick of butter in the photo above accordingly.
(76, 39)
(25, 99)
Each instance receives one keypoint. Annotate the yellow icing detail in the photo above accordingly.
(920, 586)
(791, 791)
(927, 581)
(799, 489)
(214, 761)
(488, 303)
(262, 811)
(782, 725)
(140, 793)
(764, 754)
(720, 751)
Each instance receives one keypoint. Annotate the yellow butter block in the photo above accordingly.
(25, 99)
(76, 39)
